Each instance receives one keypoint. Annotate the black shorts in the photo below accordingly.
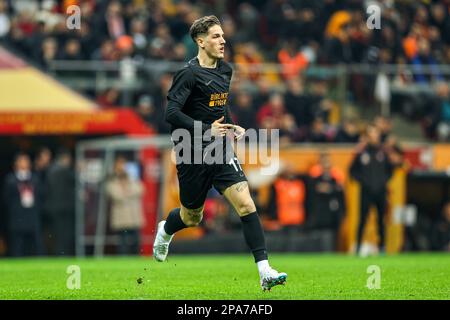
(196, 180)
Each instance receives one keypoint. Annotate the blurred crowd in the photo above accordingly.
(315, 202)
(295, 34)
(39, 200)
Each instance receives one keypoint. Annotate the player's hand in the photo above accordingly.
(238, 132)
(219, 129)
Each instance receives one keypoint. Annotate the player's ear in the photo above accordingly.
(201, 42)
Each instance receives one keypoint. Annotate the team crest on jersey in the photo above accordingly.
(218, 99)
(365, 158)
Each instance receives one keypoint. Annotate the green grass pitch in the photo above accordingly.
(310, 276)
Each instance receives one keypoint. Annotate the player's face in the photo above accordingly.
(215, 42)
(23, 163)
(373, 135)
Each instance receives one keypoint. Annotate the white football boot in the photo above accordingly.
(271, 278)
(161, 244)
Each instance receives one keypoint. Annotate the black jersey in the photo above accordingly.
(199, 94)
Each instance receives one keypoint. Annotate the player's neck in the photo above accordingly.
(206, 62)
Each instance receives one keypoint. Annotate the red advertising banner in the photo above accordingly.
(120, 121)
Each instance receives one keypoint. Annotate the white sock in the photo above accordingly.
(263, 265)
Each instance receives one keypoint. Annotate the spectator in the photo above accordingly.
(146, 109)
(326, 203)
(320, 104)
(229, 29)
(287, 199)
(292, 60)
(106, 52)
(87, 38)
(125, 47)
(273, 115)
(298, 103)
(109, 98)
(165, 81)
(244, 110)
(318, 132)
(216, 217)
(440, 234)
(248, 20)
(60, 203)
(72, 50)
(443, 111)
(348, 132)
(247, 59)
(440, 18)
(161, 43)
(384, 125)
(114, 24)
(422, 59)
(23, 199)
(126, 208)
(372, 168)
(394, 150)
(337, 48)
(48, 52)
(138, 32)
(5, 22)
(42, 164)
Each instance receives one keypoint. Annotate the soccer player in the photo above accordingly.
(199, 93)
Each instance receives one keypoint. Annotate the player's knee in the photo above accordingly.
(193, 217)
(246, 207)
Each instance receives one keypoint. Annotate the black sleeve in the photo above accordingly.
(7, 193)
(355, 169)
(342, 204)
(389, 166)
(183, 83)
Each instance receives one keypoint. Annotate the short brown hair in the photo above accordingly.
(202, 25)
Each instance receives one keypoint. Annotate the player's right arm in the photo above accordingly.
(182, 86)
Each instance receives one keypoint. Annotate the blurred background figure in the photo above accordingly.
(384, 126)
(217, 216)
(60, 204)
(42, 164)
(273, 114)
(311, 69)
(326, 202)
(348, 132)
(372, 169)
(287, 202)
(440, 234)
(443, 111)
(126, 208)
(23, 198)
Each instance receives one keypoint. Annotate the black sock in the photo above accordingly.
(254, 236)
(174, 222)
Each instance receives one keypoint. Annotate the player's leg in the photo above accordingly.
(178, 219)
(194, 182)
(364, 212)
(239, 196)
(381, 204)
